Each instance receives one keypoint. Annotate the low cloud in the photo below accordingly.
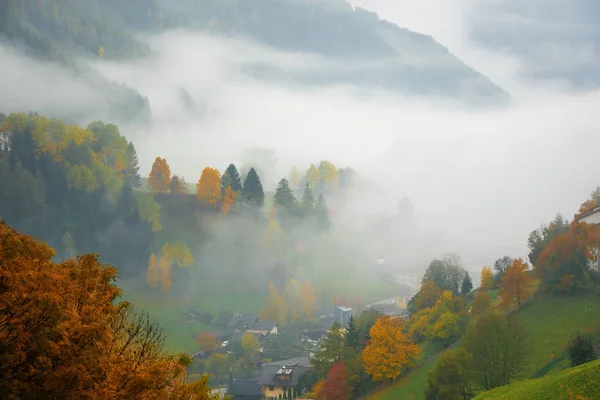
(480, 180)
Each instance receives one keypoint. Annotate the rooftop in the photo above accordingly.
(275, 375)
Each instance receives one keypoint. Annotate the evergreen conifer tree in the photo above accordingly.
(253, 194)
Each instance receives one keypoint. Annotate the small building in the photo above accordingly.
(278, 381)
(242, 321)
(263, 327)
(342, 315)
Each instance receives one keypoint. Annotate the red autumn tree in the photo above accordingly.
(337, 386)
(159, 180)
(564, 263)
(516, 283)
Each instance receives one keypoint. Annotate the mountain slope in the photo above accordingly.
(364, 49)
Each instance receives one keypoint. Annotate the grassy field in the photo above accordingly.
(551, 321)
(579, 383)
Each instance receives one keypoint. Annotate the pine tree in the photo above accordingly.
(322, 214)
(234, 175)
(352, 334)
(308, 201)
(252, 191)
(467, 285)
(284, 197)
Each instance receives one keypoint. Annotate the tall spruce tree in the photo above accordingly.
(253, 194)
(467, 285)
(308, 201)
(234, 175)
(352, 334)
(322, 214)
(284, 197)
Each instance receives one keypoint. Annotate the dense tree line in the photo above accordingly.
(74, 188)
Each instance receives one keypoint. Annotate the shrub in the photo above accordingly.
(581, 349)
(206, 318)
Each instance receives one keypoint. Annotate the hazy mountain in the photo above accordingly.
(368, 50)
(556, 39)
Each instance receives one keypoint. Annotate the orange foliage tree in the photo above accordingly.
(152, 274)
(564, 263)
(65, 335)
(428, 295)
(389, 351)
(319, 390)
(159, 180)
(487, 278)
(206, 341)
(337, 386)
(516, 283)
(228, 200)
(208, 188)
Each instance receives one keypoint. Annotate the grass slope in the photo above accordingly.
(579, 383)
(550, 322)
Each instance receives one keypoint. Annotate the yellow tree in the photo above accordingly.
(177, 253)
(389, 351)
(516, 283)
(165, 274)
(308, 300)
(312, 175)
(251, 347)
(481, 304)
(273, 235)
(294, 178)
(208, 188)
(159, 180)
(152, 274)
(101, 51)
(329, 175)
(274, 308)
(291, 298)
(487, 278)
(228, 201)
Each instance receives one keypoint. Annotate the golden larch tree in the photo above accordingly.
(208, 188)
(159, 180)
(228, 201)
(101, 51)
(152, 274)
(516, 283)
(487, 278)
(274, 308)
(165, 274)
(389, 351)
(308, 300)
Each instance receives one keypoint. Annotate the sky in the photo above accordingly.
(479, 179)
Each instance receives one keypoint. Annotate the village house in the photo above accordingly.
(342, 315)
(276, 379)
(593, 217)
(249, 323)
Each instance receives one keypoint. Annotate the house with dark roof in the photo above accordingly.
(242, 321)
(277, 381)
(264, 327)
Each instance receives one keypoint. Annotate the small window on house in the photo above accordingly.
(271, 388)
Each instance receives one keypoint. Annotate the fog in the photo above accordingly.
(480, 180)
